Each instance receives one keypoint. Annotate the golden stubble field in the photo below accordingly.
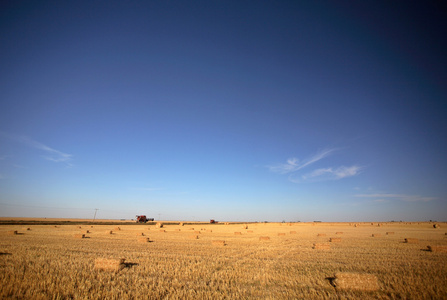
(183, 262)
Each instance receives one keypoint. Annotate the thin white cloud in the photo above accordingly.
(293, 164)
(324, 174)
(401, 197)
(51, 154)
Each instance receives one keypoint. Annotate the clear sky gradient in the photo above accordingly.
(226, 110)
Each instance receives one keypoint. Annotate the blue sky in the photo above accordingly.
(226, 110)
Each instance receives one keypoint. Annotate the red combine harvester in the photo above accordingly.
(143, 219)
(213, 222)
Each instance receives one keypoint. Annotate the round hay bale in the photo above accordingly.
(264, 238)
(321, 234)
(321, 246)
(293, 232)
(194, 237)
(335, 240)
(281, 234)
(218, 242)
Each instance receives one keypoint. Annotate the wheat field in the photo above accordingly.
(224, 261)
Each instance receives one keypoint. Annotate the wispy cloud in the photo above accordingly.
(51, 154)
(322, 174)
(332, 174)
(402, 197)
(293, 164)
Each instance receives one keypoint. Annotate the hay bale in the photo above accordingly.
(293, 232)
(335, 240)
(13, 232)
(27, 228)
(390, 233)
(194, 237)
(238, 233)
(249, 231)
(109, 232)
(159, 225)
(281, 234)
(108, 264)
(356, 281)
(442, 249)
(86, 231)
(376, 235)
(339, 232)
(197, 232)
(162, 230)
(218, 242)
(264, 238)
(245, 226)
(321, 246)
(143, 240)
(140, 234)
(321, 234)
(182, 224)
(436, 226)
(411, 241)
(117, 229)
(79, 236)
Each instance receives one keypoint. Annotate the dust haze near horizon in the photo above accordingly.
(253, 111)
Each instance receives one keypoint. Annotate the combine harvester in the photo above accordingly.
(143, 219)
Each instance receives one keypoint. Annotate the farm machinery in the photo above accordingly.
(143, 219)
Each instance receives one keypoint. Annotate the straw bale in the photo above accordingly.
(143, 240)
(436, 226)
(197, 232)
(27, 228)
(182, 224)
(264, 238)
(281, 234)
(159, 225)
(321, 246)
(109, 231)
(321, 234)
(108, 264)
(13, 232)
(218, 242)
(376, 235)
(245, 226)
(249, 231)
(356, 281)
(442, 249)
(86, 231)
(335, 240)
(140, 234)
(194, 237)
(79, 236)
(117, 228)
(390, 233)
(238, 233)
(411, 241)
(293, 232)
(162, 230)
(339, 232)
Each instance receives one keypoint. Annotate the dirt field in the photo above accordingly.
(217, 261)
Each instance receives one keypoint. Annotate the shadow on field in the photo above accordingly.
(129, 264)
(331, 280)
(5, 253)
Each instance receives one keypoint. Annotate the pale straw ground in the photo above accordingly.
(183, 262)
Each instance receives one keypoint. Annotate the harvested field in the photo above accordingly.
(222, 265)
